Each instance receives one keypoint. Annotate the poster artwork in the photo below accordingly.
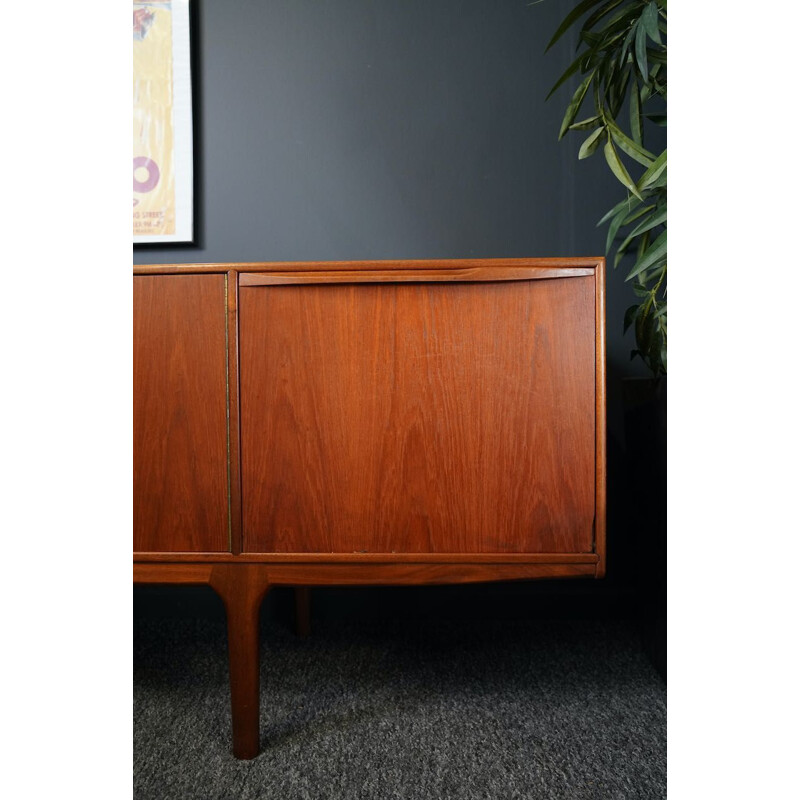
(161, 108)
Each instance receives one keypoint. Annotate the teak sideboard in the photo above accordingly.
(356, 423)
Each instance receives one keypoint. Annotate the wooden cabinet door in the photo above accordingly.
(441, 417)
(180, 430)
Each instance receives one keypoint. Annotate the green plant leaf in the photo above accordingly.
(605, 43)
(591, 144)
(644, 242)
(646, 225)
(618, 168)
(590, 39)
(654, 253)
(658, 119)
(627, 145)
(598, 100)
(622, 57)
(622, 250)
(626, 45)
(636, 214)
(648, 335)
(656, 219)
(575, 104)
(621, 21)
(610, 87)
(568, 72)
(629, 202)
(613, 227)
(641, 51)
(619, 89)
(653, 171)
(650, 21)
(636, 114)
(594, 18)
(657, 346)
(660, 182)
(643, 326)
(659, 277)
(585, 124)
(573, 15)
(659, 56)
(630, 314)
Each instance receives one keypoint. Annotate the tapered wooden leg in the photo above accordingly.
(302, 610)
(242, 589)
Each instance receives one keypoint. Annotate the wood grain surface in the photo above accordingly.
(418, 418)
(363, 266)
(356, 560)
(376, 574)
(180, 473)
(234, 460)
(494, 273)
(600, 417)
(242, 590)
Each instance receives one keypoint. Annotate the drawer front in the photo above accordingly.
(420, 417)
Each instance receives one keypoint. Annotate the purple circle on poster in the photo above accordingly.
(152, 174)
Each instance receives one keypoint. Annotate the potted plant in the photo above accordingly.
(622, 62)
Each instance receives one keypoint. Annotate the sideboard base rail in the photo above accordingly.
(243, 586)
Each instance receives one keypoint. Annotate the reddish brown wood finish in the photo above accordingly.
(363, 266)
(451, 418)
(356, 559)
(600, 416)
(242, 588)
(497, 388)
(428, 275)
(334, 573)
(180, 480)
(178, 574)
(234, 460)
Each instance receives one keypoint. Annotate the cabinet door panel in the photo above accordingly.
(180, 446)
(419, 418)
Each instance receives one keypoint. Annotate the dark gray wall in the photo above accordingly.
(374, 129)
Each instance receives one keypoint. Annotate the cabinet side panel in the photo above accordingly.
(424, 418)
(180, 431)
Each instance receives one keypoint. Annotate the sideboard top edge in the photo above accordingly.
(365, 558)
(298, 266)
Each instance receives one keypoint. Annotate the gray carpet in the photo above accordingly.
(403, 710)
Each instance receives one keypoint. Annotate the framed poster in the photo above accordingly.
(162, 122)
